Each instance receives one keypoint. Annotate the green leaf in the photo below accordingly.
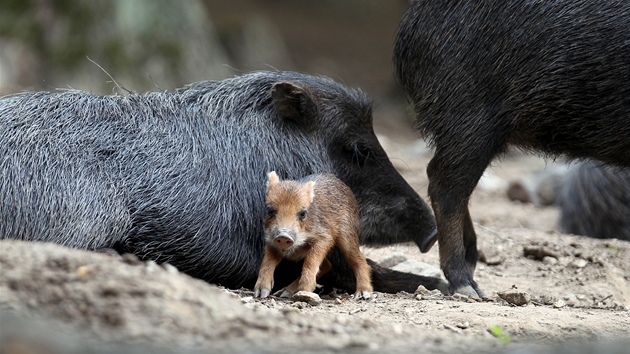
(497, 331)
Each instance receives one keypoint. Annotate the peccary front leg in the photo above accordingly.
(270, 261)
(453, 174)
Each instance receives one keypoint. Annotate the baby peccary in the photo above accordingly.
(304, 220)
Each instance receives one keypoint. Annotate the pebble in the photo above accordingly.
(549, 260)
(308, 297)
(464, 325)
(539, 253)
(559, 304)
(83, 271)
(547, 299)
(515, 297)
(454, 329)
(424, 293)
(131, 259)
(466, 298)
(579, 263)
(171, 269)
(493, 259)
(151, 266)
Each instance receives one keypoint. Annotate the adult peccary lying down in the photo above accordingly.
(180, 176)
(549, 76)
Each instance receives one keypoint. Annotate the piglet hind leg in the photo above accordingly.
(357, 262)
(314, 260)
(292, 288)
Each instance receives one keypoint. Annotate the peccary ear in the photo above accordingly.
(272, 178)
(310, 190)
(292, 100)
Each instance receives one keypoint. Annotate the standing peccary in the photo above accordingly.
(178, 176)
(304, 220)
(549, 76)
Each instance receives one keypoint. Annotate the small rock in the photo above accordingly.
(151, 266)
(131, 259)
(495, 260)
(564, 261)
(459, 297)
(578, 263)
(448, 326)
(247, 299)
(425, 293)
(559, 304)
(355, 311)
(464, 325)
(547, 299)
(308, 297)
(171, 269)
(539, 252)
(549, 260)
(422, 290)
(515, 297)
(299, 305)
(83, 271)
(492, 259)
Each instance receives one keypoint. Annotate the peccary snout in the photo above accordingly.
(283, 240)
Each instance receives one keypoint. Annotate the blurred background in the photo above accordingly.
(162, 44)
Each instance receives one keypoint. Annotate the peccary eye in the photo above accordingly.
(302, 215)
(360, 155)
(271, 211)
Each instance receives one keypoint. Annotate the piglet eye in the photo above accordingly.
(271, 211)
(302, 215)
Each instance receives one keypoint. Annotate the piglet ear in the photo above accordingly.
(310, 190)
(272, 179)
(292, 100)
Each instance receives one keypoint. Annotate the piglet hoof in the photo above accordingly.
(284, 293)
(261, 292)
(365, 295)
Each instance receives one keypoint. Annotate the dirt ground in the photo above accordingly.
(58, 300)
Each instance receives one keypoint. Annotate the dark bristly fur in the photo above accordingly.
(179, 176)
(548, 76)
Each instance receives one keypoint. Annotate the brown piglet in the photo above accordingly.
(305, 219)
